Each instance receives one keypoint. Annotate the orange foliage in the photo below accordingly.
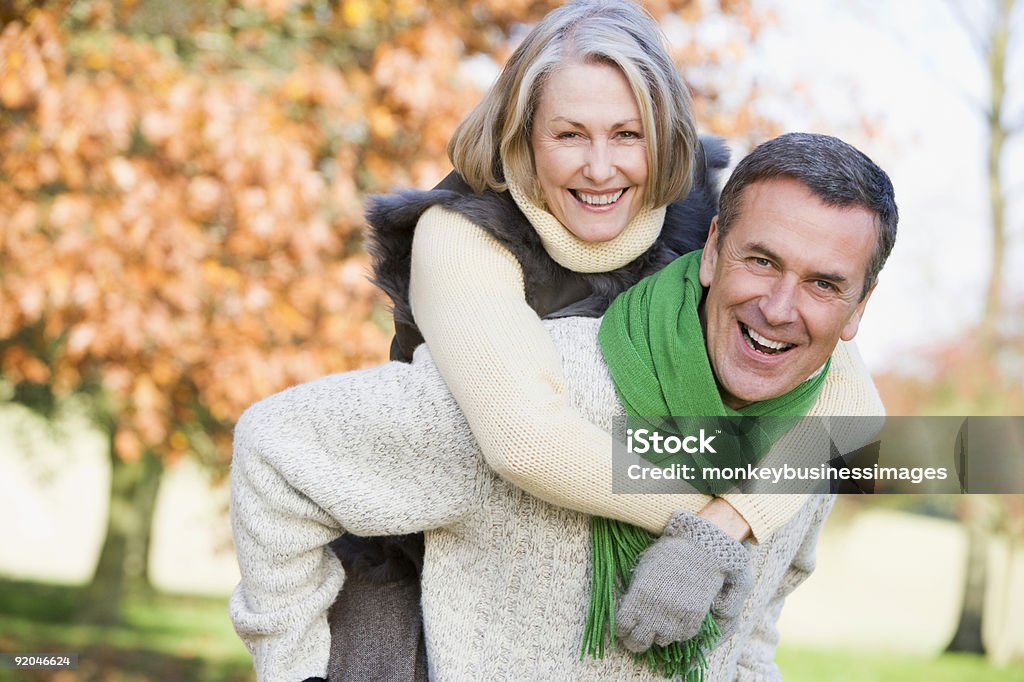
(171, 237)
(183, 235)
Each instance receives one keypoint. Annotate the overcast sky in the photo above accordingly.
(909, 67)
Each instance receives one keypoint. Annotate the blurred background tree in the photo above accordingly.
(980, 372)
(182, 186)
(991, 27)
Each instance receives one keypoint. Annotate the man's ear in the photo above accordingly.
(710, 255)
(853, 324)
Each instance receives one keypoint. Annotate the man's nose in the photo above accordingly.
(779, 305)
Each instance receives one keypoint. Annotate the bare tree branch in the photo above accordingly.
(976, 104)
(978, 38)
(979, 107)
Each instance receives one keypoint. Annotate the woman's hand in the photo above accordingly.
(693, 569)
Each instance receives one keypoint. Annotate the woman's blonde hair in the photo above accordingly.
(620, 33)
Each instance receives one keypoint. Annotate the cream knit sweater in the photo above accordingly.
(506, 576)
(468, 299)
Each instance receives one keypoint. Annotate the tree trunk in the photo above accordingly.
(997, 136)
(967, 637)
(123, 563)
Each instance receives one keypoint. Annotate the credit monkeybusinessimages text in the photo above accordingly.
(776, 474)
(650, 442)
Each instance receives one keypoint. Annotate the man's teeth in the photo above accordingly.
(764, 344)
(598, 199)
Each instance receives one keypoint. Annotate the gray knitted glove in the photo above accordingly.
(693, 568)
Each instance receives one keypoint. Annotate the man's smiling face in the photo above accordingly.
(784, 286)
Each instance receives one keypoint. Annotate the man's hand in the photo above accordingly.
(692, 569)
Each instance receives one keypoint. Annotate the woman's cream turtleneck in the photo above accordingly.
(578, 255)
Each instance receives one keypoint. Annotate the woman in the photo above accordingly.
(572, 162)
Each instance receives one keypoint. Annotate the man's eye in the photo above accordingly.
(761, 262)
(824, 285)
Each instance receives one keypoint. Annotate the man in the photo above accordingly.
(806, 223)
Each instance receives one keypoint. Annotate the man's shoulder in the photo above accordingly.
(848, 389)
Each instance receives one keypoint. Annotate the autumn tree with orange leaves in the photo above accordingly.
(182, 188)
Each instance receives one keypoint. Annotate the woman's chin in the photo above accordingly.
(597, 233)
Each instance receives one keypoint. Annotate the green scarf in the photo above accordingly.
(652, 340)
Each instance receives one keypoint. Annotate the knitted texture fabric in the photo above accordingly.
(506, 375)
(505, 581)
(550, 289)
(718, 579)
(653, 342)
(578, 255)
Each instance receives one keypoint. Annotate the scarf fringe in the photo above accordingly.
(617, 548)
(651, 333)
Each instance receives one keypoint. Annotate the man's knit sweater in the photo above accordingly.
(506, 576)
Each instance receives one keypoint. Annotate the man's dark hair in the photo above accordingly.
(837, 173)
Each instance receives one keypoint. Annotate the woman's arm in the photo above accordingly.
(467, 296)
(468, 299)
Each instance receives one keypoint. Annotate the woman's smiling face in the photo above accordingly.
(590, 150)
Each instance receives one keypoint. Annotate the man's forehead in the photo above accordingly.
(782, 219)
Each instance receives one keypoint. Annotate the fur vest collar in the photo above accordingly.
(551, 290)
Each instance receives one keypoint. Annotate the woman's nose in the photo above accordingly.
(600, 166)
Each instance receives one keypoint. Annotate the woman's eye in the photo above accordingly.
(568, 136)
(630, 134)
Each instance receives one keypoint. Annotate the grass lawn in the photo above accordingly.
(162, 638)
(168, 638)
(814, 665)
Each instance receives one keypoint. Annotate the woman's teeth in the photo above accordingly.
(597, 199)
